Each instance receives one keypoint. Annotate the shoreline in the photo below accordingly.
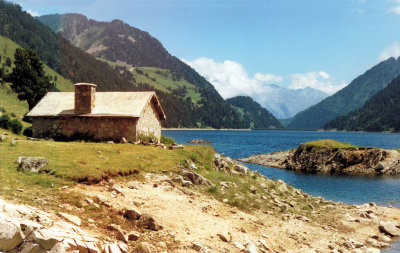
(276, 129)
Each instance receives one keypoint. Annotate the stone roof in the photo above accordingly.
(107, 104)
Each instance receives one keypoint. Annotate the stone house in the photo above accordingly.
(97, 116)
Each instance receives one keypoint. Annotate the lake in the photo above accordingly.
(383, 190)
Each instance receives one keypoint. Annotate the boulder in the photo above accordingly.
(241, 169)
(143, 247)
(176, 146)
(45, 238)
(183, 182)
(225, 237)
(283, 188)
(147, 221)
(10, 235)
(133, 236)
(30, 247)
(389, 228)
(196, 246)
(132, 214)
(195, 178)
(33, 164)
(121, 234)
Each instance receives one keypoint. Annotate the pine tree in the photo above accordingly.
(28, 77)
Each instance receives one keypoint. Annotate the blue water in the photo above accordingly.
(383, 190)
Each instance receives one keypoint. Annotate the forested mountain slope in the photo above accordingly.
(379, 113)
(349, 98)
(252, 112)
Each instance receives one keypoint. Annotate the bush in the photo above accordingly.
(2, 109)
(13, 114)
(16, 126)
(28, 131)
(146, 137)
(27, 118)
(5, 122)
(167, 140)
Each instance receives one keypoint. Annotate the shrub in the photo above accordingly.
(5, 122)
(28, 131)
(2, 109)
(146, 137)
(16, 126)
(194, 157)
(167, 140)
(13, 114)
(27, 118)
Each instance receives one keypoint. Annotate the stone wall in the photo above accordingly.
(92, 128)
(149, 123)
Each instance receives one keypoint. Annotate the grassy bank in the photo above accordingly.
(71, 163)
(77, 162)
(332, 144)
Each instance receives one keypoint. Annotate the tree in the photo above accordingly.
(8, 62)
(28, 77)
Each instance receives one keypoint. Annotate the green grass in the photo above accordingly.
(331, 144)
(10, 102)
(75, 162)
(164, 81)
(161, 79)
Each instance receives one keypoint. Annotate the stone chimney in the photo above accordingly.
(85, 94)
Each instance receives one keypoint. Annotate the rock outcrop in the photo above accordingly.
(27, 229)
(372, 161)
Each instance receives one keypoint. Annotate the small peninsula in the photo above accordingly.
(330, 156)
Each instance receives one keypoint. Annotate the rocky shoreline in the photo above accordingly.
(206, 202)
(352, 161)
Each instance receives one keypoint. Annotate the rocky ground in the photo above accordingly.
(355, 161)
(169, 213)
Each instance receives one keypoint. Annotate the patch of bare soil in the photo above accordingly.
(193, 221)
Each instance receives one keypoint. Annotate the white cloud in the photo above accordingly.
(317, 80)
(231, 79)
(33, 13)
(391, 51)
(395, 10)
(268, 78)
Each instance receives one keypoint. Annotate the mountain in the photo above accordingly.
(209, 110)
(379, 113)
(119, 43)
(252, 112)
(349, 98)
(285, 103)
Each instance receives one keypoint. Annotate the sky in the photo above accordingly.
(242, 46)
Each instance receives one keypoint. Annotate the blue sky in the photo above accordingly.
(238, 44)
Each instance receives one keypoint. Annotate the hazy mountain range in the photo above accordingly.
(285, 103)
